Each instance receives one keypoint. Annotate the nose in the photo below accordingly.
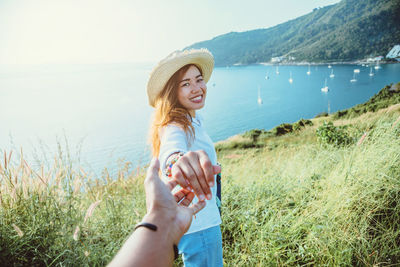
(197, 87)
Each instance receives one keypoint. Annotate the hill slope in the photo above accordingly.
(348, 30)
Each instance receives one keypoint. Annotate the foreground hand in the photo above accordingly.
(194, 169)
(172, 208)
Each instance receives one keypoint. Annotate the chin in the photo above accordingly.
(192, 106)
(200, 106)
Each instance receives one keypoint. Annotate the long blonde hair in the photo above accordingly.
(169, 110)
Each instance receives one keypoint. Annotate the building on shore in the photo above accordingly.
(375, 59)
(277, 59)
(280, 59)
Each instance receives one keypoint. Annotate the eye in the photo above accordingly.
(185, 84)
(200, 80)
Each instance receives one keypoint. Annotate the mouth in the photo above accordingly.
(197, 99)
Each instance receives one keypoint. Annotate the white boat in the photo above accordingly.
(266, 76)
(356, 70)
(332, 75)
(377, 67)
(308, 72)
(290, 79)
(259, 100)
(329, 66)
(370, 72)
(277, 70)
(354, 78)
(325, 89)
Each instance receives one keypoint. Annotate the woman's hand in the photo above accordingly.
(194, 170)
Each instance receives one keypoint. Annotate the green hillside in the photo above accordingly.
(346, 31)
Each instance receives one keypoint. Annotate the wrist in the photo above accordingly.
(166, 223)
(158, 217)
(170, 163)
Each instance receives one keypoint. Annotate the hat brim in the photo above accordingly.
(160, 75)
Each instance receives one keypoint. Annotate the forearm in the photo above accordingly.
(149, 248)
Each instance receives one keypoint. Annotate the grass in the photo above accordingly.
(310, 204)
(288, 200)
(46, 217)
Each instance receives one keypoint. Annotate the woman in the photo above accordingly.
(177, 89)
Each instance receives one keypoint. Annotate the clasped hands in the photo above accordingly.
(194, 172)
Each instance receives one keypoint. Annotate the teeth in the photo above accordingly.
(197, 98)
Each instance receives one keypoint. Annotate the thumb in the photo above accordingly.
(152, 171)
(151, 183)
(216, 169)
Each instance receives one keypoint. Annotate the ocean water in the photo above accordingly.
(232, 103)
(100, 112)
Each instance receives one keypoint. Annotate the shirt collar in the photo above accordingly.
(196, 120)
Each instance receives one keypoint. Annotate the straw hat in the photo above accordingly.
(164, 70)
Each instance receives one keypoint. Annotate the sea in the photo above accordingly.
(97, 116)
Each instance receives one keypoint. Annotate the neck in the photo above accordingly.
(192, 113)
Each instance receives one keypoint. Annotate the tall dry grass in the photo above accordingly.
(61, 215)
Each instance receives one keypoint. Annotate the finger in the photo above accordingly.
(207, 167)
(187, 200)
(152, 182)
(181, 194)
(216, 169)
(190, 175)
(171, 184)
(152, 171)
(194, 158)
(197, 207)
(178, 176)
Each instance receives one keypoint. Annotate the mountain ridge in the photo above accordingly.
(347, 31)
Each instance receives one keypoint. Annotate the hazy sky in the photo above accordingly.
(100, 31)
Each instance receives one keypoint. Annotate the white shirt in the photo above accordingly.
(173, 139)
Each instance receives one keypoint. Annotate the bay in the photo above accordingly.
(101, 113)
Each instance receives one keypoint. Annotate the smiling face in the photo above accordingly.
(192, 90)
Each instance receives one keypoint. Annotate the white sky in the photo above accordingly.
(105, 31)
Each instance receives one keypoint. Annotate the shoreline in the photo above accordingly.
(394, 87)
(327, 63)
(308, 63)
